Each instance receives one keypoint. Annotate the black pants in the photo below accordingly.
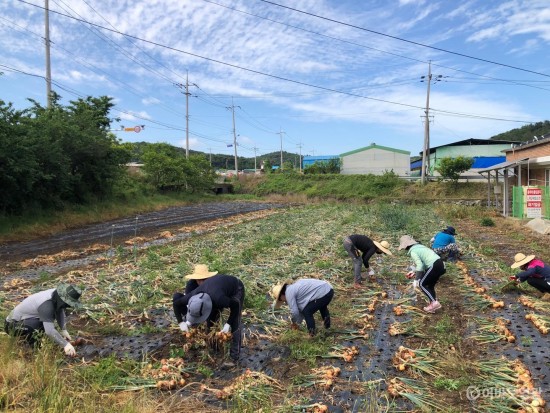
(236, 326)
(320, 305)
(540, 284)
(430, 279)
(29, 330)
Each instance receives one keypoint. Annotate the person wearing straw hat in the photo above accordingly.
(206, 302)
(428, 268)
(534, 271)
(355, 245)
(444, 244)
(37, 313)
(304, 298)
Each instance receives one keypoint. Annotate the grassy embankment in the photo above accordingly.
(276, 187)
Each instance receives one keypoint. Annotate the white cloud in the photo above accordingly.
(150, 101)
(134, 116)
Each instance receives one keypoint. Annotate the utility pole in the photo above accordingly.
(48, 62)
(187, 116)
(234, 137)
(300, 146)
(426, 151)
(255, 149)
(210, 150)
(187, 94)
(281, 136)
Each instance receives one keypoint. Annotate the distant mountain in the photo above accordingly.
(222, 161)
(525, 133)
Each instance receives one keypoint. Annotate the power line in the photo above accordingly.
(362, 45)
(256, 71)
(404, 40)
(227, 64)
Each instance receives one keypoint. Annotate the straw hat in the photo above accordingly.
(200, 273)
(383, 246)
(406, 241)
(70, 295)
(276, 294)
(520, 259)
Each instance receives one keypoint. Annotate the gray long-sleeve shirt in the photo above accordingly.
(41, 306)
(302, 292)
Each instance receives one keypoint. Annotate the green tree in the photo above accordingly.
(49, 156)
(268, 166)
(451, 168)
(168, 169)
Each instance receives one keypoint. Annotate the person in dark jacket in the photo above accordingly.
(444, 244)
(534, 271)
(355, 245)
(305, 297)
(207, 301)
(37, 313)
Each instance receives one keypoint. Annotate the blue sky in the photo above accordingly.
(321, 76)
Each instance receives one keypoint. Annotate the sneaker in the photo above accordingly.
(432, 307)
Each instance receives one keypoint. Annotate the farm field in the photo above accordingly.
(486, 350)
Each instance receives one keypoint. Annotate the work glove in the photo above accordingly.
(226, 328)
(184, 326)
(69, 350)
(410, 275)
(416, 283)
(371, 272)
(514, 278)
(65, 334)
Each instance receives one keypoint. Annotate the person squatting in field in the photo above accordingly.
(428, 268)
(37, 313)
(444, 244)
(534, 271)
(355, 245)
(213, 293)
(304, 298)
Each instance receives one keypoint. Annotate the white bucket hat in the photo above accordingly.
(406, 241)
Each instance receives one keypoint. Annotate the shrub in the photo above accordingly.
(487, 222)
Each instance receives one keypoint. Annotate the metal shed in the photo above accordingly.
(375, 159)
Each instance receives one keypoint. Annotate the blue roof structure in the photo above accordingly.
(479, 162)
(487, 161)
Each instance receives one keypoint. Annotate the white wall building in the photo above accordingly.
(376, 159)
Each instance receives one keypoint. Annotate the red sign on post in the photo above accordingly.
(533, 200)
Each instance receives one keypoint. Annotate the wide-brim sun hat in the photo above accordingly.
(521, 259)
(70, 295)
(450, 230)
(276, 294)
(383, 246)
(406, 241)
(200, 272)
(199, 308)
